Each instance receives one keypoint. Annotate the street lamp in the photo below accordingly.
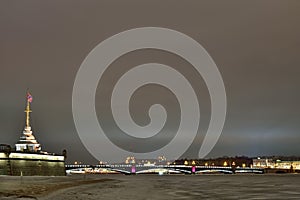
(225, 164)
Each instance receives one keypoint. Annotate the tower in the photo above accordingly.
(27, 141)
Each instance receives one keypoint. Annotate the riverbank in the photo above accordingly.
(34, 187)
(118, 186)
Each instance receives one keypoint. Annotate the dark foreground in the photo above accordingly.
(267, 186)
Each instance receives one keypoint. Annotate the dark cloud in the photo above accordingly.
(255, 45)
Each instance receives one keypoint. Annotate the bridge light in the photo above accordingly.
(186, 162)
(244, 165)
(225, 164)
(193, 169)
(193, 163)
(206, 164)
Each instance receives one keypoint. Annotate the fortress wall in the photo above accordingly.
(37, 168)
(31, 165)
(4, 167)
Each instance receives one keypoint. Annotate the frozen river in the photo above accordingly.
(265, 186)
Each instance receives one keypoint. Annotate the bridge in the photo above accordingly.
(129, 169)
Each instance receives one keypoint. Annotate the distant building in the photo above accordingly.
(263, 162)
(132, 160)
(27, 158)
(289, 164)
(238, 161)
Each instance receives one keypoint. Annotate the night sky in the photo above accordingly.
(255, 45)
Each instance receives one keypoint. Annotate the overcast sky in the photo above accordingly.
(255, 45)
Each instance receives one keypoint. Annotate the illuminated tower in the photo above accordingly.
(27, 141)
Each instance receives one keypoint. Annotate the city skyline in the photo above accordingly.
(255, 46)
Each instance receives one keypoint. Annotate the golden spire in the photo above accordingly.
(27, 111)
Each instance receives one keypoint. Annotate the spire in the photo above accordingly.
(27, 140)
(27, 111)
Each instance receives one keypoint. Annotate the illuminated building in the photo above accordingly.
(28, 159)
(133, 160)
(263, 162)
(277, 163)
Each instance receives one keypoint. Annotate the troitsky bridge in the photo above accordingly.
(129, 169)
